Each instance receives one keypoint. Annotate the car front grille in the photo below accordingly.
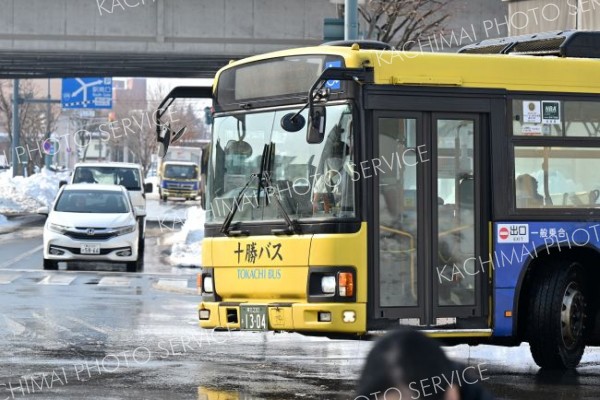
(83, 234)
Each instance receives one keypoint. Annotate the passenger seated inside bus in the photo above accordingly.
(527, 192)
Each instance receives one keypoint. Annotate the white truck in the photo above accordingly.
(179, 173)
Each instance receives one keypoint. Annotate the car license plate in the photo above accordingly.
(254, 318)
(90, 249)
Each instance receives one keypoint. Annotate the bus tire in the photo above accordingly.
(557, 316)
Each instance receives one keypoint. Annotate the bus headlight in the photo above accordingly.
(328, 284)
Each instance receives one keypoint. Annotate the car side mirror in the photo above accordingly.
(148, 188)
(43, 210)
(62, 183)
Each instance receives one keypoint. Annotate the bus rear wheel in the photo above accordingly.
(558, 316)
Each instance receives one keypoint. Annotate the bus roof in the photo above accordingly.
(510, 72)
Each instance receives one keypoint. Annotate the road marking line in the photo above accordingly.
(15, 327)
(178, 283)
(47, 322)
(22, 256)
(6, 279)
(87, 325)
(57, 280)
(114, 281)
(174, 285)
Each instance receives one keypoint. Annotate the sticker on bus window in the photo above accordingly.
(531, 112)
(551, 112)
(531, 129)
(513, 233)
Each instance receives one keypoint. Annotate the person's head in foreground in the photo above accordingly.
(405, 364)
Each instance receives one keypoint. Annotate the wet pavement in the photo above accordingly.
(100, 333)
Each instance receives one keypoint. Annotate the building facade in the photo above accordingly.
(532, 16)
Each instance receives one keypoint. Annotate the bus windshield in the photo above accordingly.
(311, 180)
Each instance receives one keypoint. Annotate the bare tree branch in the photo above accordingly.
(402, 22)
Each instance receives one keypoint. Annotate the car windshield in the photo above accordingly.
(175, 171)
(312, 180)
(92, 201)
(128, 177)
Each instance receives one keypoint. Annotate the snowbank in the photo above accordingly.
(26, 195)
(188, 251)
(4, 222)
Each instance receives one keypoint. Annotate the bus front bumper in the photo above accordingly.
(294, 317)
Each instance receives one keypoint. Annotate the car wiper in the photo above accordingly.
(234, 208)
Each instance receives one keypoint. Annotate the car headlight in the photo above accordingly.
(58, 228)
(124, 230)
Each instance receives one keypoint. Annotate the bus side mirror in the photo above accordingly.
(316, 125)
(148, 187)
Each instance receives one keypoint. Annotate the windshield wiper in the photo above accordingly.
(236, 204)
(264, 182)
(267, 184)
(292, 226)
(234, 208)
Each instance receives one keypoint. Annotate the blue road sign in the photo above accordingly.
(87, 93)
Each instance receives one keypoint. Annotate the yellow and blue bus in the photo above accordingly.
(353, 188)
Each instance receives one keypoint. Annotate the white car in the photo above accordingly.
(92, 222)
(128, 175)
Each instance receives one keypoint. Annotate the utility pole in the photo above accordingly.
(350, 19)
(48, 158)
(16, 137)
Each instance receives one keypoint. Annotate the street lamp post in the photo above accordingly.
(351, 20)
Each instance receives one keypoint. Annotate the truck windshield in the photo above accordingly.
(181, 171)
(312, 180)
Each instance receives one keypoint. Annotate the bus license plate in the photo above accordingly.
(254, 318)
(90, 249)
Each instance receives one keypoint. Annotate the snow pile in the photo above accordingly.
(4, 222)
(188, 252)
(26, 195)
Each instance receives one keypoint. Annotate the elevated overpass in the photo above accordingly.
(152, 38)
